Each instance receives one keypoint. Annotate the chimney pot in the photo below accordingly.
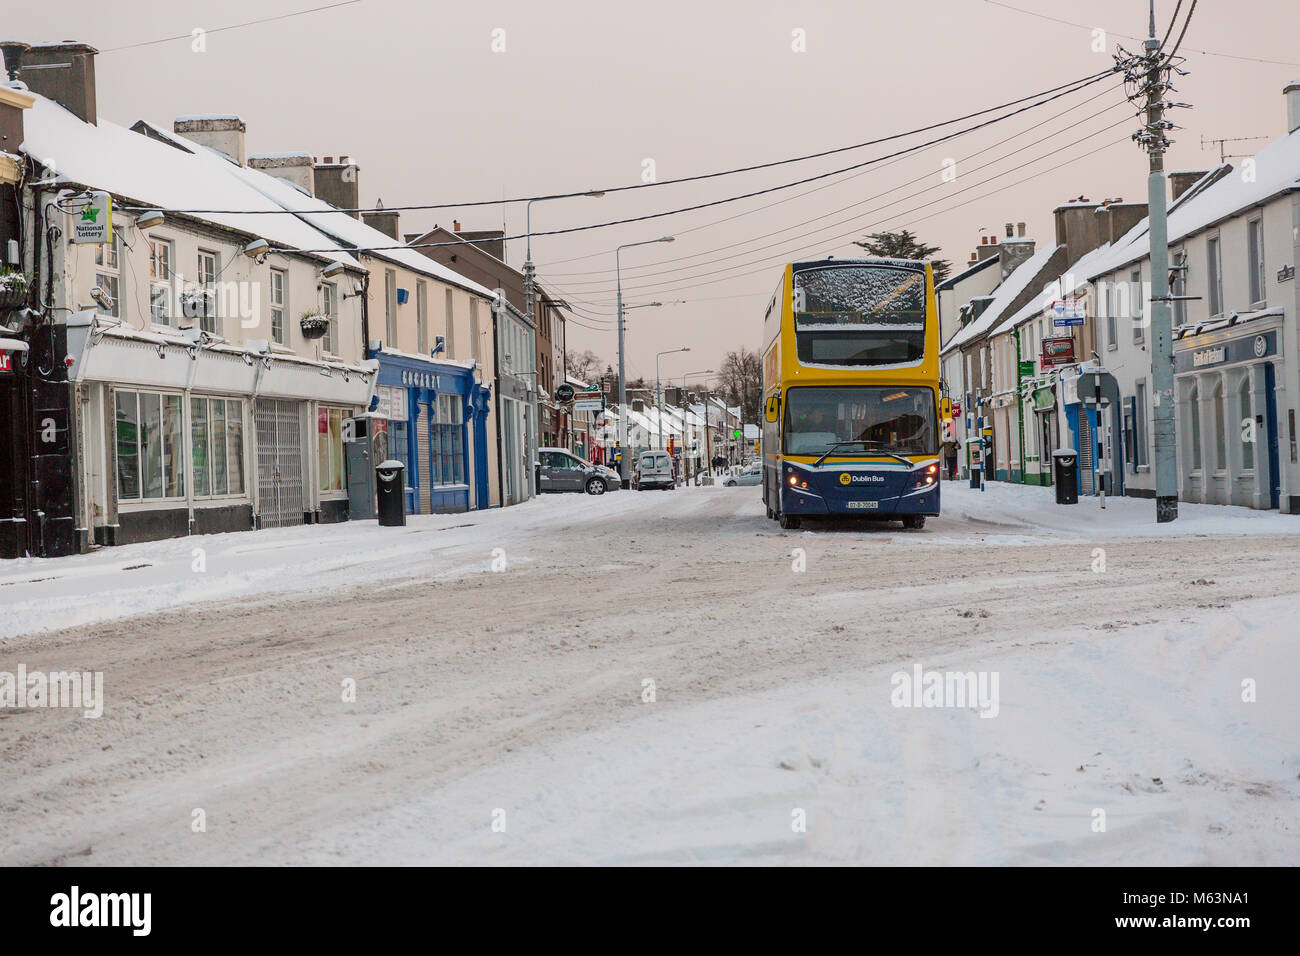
(456, 224)
(1020, 229)
(1010, 231)
(984, 240)
(329, 160)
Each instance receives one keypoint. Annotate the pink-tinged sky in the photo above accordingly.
(585, 92)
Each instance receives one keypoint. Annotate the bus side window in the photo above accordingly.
(773, 406)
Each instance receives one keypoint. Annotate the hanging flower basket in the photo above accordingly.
(13, 289)
(313, 325)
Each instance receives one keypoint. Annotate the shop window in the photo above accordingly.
(1194, 405)
(1220, 434)
(329, 447)
(447, 441)
(1247, 426)
(149, 446)
(1140, 424)
(217, 446)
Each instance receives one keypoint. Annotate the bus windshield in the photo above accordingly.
(859, 314)
(877, 419)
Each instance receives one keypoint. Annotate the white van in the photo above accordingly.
(654, 469)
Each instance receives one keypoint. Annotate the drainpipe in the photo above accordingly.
(1020, 407)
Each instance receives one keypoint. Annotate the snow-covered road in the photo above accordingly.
(519, 697)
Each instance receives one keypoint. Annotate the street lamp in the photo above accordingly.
(528, 254)
(622, 363)
(659, 402)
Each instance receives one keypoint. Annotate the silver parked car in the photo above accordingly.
(750, 475)
(560, 470)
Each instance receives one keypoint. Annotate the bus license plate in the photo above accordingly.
(864, 504)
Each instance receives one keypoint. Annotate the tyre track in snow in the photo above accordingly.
(235, 708)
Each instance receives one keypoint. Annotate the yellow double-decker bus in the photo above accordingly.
(851, 392)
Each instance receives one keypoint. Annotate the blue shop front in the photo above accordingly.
(435, 417)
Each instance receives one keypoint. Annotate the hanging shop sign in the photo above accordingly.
(1058, 351)
(92, 218)
(564, 393)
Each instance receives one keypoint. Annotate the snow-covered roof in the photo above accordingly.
(113, 158)
(1002, 298)
(970, 270)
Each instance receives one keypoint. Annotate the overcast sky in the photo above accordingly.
(585, 92)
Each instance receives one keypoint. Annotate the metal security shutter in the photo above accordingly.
(1087, 462)
(279, 463)
(422, 454)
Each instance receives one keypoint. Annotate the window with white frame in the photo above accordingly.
(422, 316)
(209, 319)
(279, 305)
(150, 445)
(160, 276)
(1255, 254)
(1112, 317)
(390, 308)
(451, 325)
(329, 299)
(474, 332)
(108, 275)
(217, 446)
(1214, 275)
(1137, 305)
(1179, 286)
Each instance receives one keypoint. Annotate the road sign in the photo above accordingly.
(736, 433)
(583, 403)
(1027, 369)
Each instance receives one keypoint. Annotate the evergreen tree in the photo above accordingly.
(905, 245)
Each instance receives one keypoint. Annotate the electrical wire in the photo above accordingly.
(697, 261)
(233, 26)
(717, 202)
(1174, 52)
(1068, 87)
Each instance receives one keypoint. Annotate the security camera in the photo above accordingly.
(102, 298)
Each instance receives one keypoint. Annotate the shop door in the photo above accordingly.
(279, 463)
(1270, 423)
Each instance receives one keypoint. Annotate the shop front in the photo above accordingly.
(175, 438)
(1230, 385)
(435, 417)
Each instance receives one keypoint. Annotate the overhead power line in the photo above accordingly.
(1126, 36)
(1068, 87)
(716, 202)
(232, 26)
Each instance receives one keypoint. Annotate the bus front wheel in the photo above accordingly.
(914, 522)
(789, 522)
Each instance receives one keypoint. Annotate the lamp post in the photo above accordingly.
(622, 362)
(528, 253)
(659, 402)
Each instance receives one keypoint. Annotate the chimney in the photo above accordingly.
(12, 103)
(455, 224)
(986, 249)
(1078, 228)
(383, 220)
(1013, 252)
(296, 168)
(1292, 93)
(1011, 231)
(1184, 180)
(1119, 217)
(1020, 229)
(336, 183)
(63, 72)
(223, 132)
